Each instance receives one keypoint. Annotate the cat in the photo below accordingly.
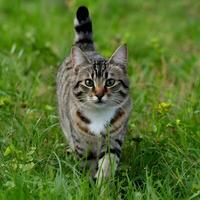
(93, 100)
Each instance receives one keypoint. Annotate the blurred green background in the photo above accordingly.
(160, 157)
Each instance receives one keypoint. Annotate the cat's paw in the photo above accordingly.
(69, 150)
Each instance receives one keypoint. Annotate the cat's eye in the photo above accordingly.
(110, 82)
(89, 82)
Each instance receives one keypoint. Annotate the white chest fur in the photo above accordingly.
(99, 118)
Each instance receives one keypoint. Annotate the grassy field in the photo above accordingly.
(161, 155)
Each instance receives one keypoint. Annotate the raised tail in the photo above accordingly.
(83, 29)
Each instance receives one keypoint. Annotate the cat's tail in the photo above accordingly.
(83, 29)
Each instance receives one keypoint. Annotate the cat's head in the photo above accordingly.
(100, 83)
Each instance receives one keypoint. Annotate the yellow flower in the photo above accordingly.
(164, 107)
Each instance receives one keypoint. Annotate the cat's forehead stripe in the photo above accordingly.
(99, 67)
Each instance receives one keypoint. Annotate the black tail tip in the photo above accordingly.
(82, 13)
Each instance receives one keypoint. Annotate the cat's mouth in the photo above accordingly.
(99, 102)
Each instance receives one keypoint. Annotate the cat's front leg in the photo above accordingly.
(107, 165)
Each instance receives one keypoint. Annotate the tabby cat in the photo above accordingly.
(93, 100)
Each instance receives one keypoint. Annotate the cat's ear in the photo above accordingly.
(78, 57)
(120, 56)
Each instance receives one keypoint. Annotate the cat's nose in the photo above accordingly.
(99, 92)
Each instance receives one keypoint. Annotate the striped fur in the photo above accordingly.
(93, 100)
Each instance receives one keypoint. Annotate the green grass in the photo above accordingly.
(161, 155)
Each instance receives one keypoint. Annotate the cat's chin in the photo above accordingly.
(101, 106)
(97, 105)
